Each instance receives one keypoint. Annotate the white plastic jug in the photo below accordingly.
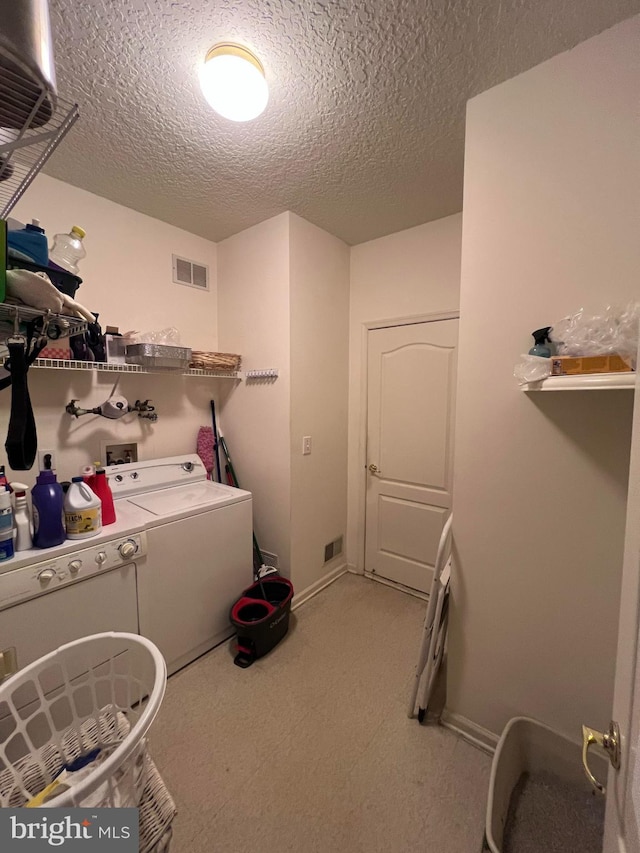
(68, 249)
(82, 511)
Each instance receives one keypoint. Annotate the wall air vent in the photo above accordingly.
(190, 273)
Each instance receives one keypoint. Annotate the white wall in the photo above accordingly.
(127, 280)
(127, 275)
(550, 225)
(411, 273)
(319, 269)
(253, 294)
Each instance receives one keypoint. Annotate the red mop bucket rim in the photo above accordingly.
(245, 602)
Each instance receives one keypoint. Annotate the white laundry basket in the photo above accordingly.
(529, 746)
(99, 692)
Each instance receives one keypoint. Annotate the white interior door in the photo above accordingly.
(410, 416)
(622, 824)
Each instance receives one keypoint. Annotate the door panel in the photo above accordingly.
(410, 413)
(622, 820)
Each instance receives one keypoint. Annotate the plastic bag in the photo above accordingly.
(168, 337)
(614, 332)
(532, 368)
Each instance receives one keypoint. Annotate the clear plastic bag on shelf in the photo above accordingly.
(167, 337)
(614, 332)
(532, 368)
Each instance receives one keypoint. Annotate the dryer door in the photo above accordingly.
(105, 602)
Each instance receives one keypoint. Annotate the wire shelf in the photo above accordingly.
(19, 314)
(33, 124)
(112, 367)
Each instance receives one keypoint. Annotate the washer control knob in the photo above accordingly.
(100, 557)
(46, 575)
(75, 566)
(118, 478)
(127, 549)
(134, 475)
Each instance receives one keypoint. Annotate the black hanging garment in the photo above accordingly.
(22, 439)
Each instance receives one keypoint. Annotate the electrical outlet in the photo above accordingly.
(306, 445)
(46, 460)
(118, 454)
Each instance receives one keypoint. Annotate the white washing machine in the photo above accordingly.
(199, 552)
(51, 596)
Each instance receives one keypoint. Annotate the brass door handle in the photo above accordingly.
(374, 469)
(607, 741)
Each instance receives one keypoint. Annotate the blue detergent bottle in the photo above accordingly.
(31, 242)
(47, 500)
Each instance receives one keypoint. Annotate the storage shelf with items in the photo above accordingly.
(100, 366)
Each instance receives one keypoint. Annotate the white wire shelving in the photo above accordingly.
(112, 367)
(33, 123)
(17, 315)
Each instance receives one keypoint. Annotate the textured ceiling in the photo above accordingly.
(364, 131)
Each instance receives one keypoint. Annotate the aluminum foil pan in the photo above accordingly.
(157, 355)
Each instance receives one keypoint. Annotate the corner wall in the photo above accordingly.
(254, 311)
(550, 226)
(319, 268)
(407, 274)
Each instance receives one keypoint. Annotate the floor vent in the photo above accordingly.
(190, 273)
(332, 549)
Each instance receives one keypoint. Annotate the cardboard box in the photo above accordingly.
(569, 366)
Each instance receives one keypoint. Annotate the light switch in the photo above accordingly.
(306, 445)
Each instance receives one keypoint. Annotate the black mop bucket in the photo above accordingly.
(261, 618)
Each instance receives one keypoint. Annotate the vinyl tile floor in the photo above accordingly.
(310, 749)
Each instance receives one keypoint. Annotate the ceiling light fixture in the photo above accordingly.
(232, 80)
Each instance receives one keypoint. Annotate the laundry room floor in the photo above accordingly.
(310, 750)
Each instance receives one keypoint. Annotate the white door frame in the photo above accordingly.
(361, 455)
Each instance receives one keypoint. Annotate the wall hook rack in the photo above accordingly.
(270, 373)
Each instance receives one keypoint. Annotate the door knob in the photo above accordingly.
(374, 469)
(609, 742)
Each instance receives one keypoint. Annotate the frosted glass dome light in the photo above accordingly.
(232, 80)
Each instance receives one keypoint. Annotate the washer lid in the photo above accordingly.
(168, 502)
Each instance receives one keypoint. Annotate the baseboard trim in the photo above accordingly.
(471, 732)
(354, 570)
(394, 585)
(325, 581)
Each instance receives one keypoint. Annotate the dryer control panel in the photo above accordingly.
(40, 578)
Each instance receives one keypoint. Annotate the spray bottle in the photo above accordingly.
(542, 339)
(21, 517)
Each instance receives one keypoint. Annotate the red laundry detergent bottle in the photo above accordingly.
(99, 485)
